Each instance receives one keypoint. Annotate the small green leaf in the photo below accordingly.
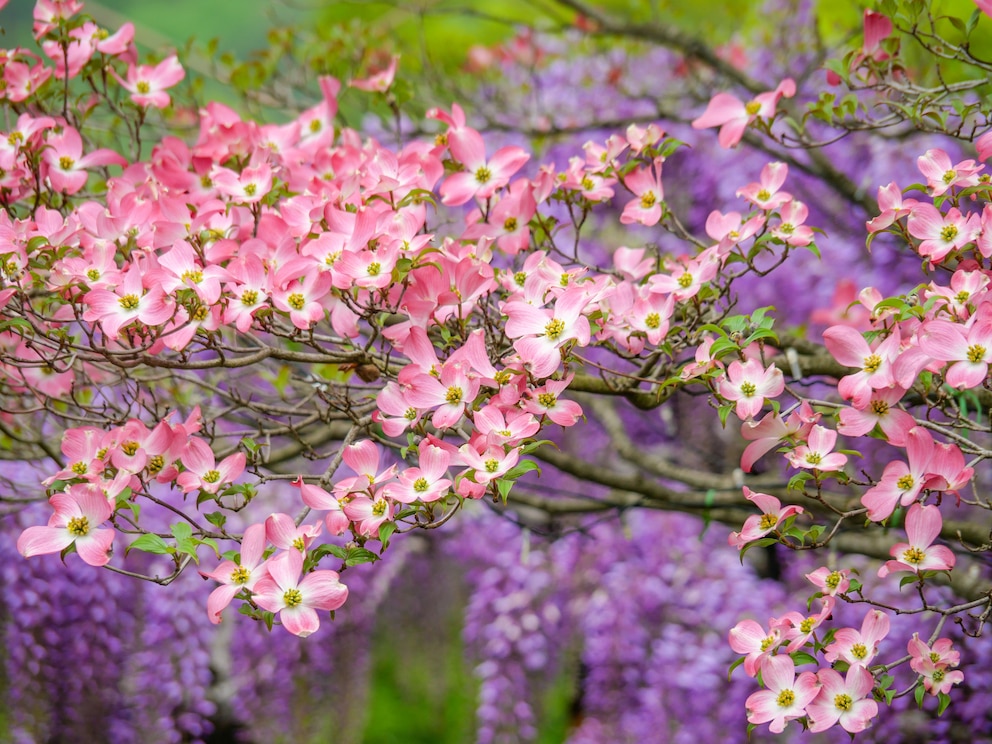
(150, 544)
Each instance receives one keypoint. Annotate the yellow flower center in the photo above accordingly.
(143, 87)
(129, 448)
(767, 643)
(872, 363)
(249, 297)
(292, 598)
(240, 575)
(906, 482)
(768, 521)
(685, 281)
(814, 458)
(748, 389)
(296, 301)
(949, 233)
(950, 176)
(211, 476)
(976, 353)
(250, 189)
(548, 400)
(129, 302)
(519, 278)
(843, 702)
(492, 465)
(454, 395)
(79, 468)
(554, 329)
(193, 275)
(858, 651)
(79, 526)
(833, 579)
(763, 195)
(66, 163)
(786, 698)
(913, 555)
(155, 464)
(379, 508)
(374, 268)
(752, 108)
(807, 625)
(483, 174)
(653, 320)
(420, 485)
(93, 275)
(510, 224)
(879, 407)
(648, 200)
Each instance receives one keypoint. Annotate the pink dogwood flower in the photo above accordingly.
(923, 524)
(843, 700)
(147, 83)
(816, 454)
(79, 512)
(786, 697)
(858, 648)
(733, 115)
(749, 384)
(235, 577)
(758, 526)
(296, 601)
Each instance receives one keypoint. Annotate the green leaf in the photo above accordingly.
(217, 519)
(801, 657)
(386, 530)
(357, 556)
(182, 531)
(942, 702)
(733, 666)
(918, 694)
(524, 466)
(150, 544)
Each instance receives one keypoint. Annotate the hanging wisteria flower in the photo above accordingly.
(296, 601)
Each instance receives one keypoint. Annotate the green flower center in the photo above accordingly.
(249, 297)
(814, 458)
(143, 87)
(492, 465)
(420, 485)
(483, 174)
(748, 389)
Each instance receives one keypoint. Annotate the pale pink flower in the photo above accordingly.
(296, 601)
(749, 384)
(79, 512)
(941, 175)
(765, 434)
(147, 83)
(816, 454)
(765, 193)
(923, 524)
(786, 697)
(235, 577)
(747, 637)
(830, 583)
(859, 647)
(940, 234)
(758, 526)
(843, 700)
(733, 116)
(317, 498)
(282, 531)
